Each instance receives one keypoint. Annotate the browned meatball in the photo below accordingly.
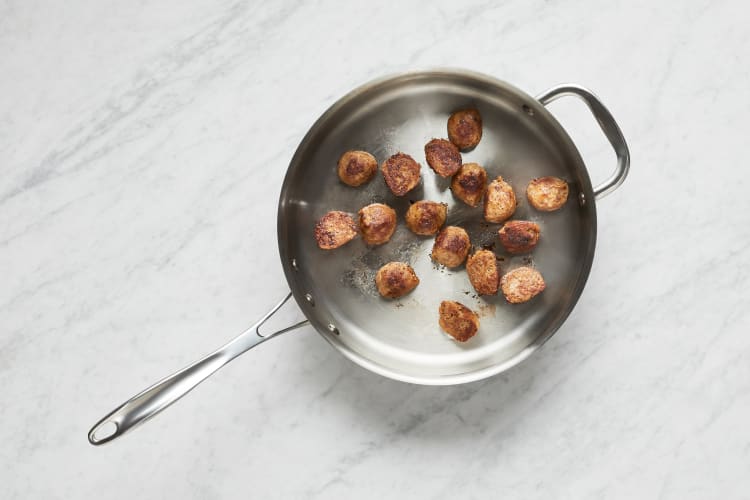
(469, 184)
(458, 321)
(547, 193)
(499, 202)
(451, 246)
(335, 229)
(484, 272)
(396, 279)
(377, 223)
(522, 284)
(401, 173)
(519, 236)
(465, 128)
(443, 157)
(426, 217)
(357, 167)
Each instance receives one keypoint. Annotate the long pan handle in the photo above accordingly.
(164, 393)
(608, 125)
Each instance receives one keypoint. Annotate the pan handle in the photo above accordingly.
(159, 396)
(608, 125)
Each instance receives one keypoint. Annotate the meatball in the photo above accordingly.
(443, 157)
(522, 284)
(401, 173)
(458, 321)
(469, 184)
(499, 202)
(357, 167)
(426, 217)
(484, 272)
(396, 279)
(465, 128)
(519, 236)
(335, 229)
(547, 193)
(377, 222)
(451, 246)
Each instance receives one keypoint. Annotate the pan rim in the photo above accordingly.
(322, 328)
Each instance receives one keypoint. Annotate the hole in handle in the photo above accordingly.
(584, 131)
(607, 125)
(103, 432)
(274, 323)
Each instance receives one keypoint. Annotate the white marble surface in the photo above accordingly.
(137, 197)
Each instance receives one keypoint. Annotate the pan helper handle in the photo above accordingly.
(608, 125)
(164, 393)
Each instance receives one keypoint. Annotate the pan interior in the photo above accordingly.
(401, 338)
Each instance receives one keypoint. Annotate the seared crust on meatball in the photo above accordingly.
(484, 272)
(401, 173)
(499, 202)
(519, 236)
(443, 157)
(451, 246)
(458, 321)
(522, 284)
(377, 222)
(547, 193)
(426, 217)
(357, 167)
(335, 229)
(469, 184)
(396, 279)
(465, 128)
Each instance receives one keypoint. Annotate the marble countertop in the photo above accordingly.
(140, 173)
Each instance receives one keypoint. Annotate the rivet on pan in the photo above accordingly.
(332, 328)
(581, 199)
(294, 265)
(309, 298)
(528, 109)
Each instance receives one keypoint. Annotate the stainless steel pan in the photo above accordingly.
(335, 289)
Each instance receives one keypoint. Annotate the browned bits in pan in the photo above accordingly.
(458, 321)
(484, 272)
(426, 217)
(377, 222)
(499, 202)
(335, 229)
(522, 284)
(469, 184)
(519, 236)
(451, 246)
(443, 157)
(396, 279)
(465, 128)
(547, 193)
(401, 173)
(357, 167)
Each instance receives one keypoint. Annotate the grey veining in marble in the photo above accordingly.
(137, 225)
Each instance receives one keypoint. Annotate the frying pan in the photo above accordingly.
(335, 289)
